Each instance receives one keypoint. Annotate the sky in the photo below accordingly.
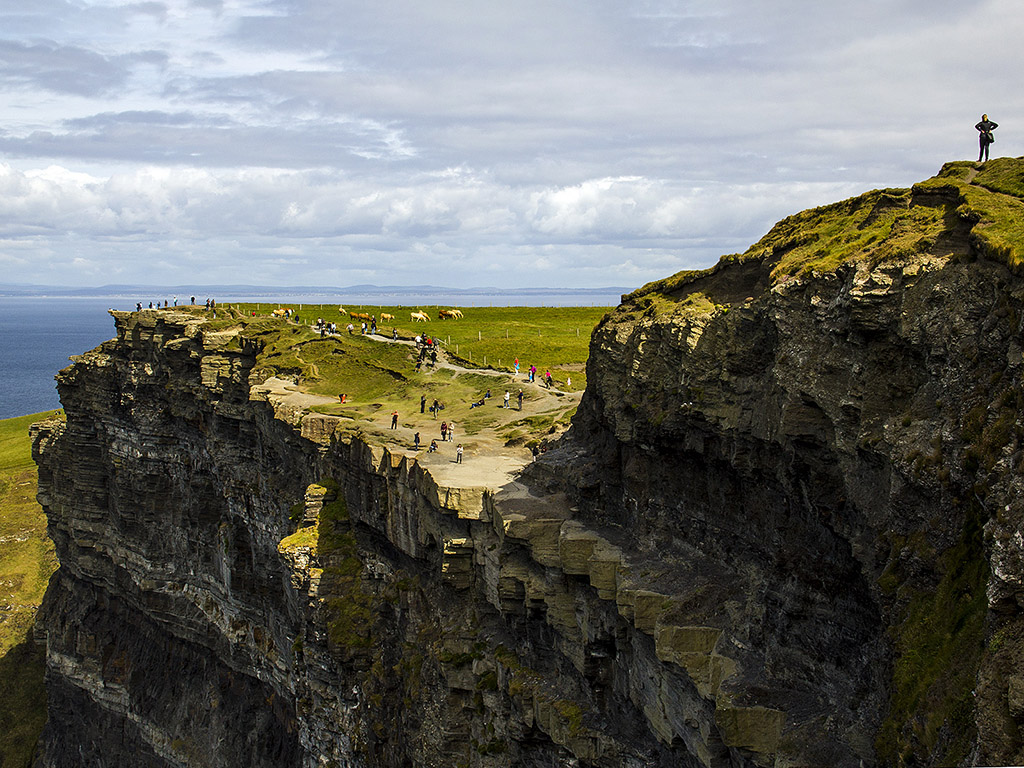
(541, 143)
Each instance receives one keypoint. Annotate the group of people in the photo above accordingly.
(210, 304)
(447, 435)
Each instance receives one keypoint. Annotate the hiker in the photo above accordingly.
(533, 372)
(444, 430)
(423, 403)
(394, 419)
(520, 398)
(435, 408)
(506, 399)
(985, 137)
(458, 454)
(451, 431)
(394, 334)
(416, 441)
(433, 446)
(547, 379)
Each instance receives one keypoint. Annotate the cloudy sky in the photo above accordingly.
(560, 143)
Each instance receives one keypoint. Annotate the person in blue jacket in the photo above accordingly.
(985, 137)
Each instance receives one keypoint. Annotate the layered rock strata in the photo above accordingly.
(783, 530)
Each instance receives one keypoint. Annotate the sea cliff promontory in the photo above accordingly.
(782, 530)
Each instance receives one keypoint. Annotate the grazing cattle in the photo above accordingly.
(449, 314)
(385, 317)
(419, 317)
(359, 316)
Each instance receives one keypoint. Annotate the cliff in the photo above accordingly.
(782, 530)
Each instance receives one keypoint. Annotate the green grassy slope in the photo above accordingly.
(26, 562)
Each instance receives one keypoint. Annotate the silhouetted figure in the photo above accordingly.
(985, 137)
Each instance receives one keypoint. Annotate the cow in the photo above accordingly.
(385, 317)
(359, 316)
(449, 314)
(419, 317)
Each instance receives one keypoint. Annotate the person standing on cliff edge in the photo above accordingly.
(985, 137)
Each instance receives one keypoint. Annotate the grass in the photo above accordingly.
(551, 338)
(889, 226)
(378, 378)
(27, 561)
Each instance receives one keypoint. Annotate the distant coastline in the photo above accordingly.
(413, 294)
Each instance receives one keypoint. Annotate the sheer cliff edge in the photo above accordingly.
(784, 529)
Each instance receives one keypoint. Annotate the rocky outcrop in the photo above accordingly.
(783, 530)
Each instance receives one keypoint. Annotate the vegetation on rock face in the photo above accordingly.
(890, 225)
(26, 562)
(938, 646)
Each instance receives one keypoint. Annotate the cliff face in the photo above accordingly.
(783, 530)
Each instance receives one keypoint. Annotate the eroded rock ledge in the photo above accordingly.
(207, 612)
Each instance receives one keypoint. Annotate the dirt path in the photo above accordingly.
(488, 461)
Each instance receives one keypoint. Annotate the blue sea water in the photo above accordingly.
(38, 335)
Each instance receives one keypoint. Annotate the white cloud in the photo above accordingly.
(578, 143)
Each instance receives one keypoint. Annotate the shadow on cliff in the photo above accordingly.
(22, 702)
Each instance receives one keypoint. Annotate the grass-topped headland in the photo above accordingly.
(968, 210)
(379, 373)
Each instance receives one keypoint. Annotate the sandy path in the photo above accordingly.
(487, 460)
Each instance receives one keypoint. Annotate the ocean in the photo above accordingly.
(38, 335)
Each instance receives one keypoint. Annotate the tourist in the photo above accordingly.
(444, 430)
(458, 454)
(451, 431)
(423, 403)
(985, 137)
(433, 446)
(506, 399)
(520, 398)
(394, 419)
(416, 441)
